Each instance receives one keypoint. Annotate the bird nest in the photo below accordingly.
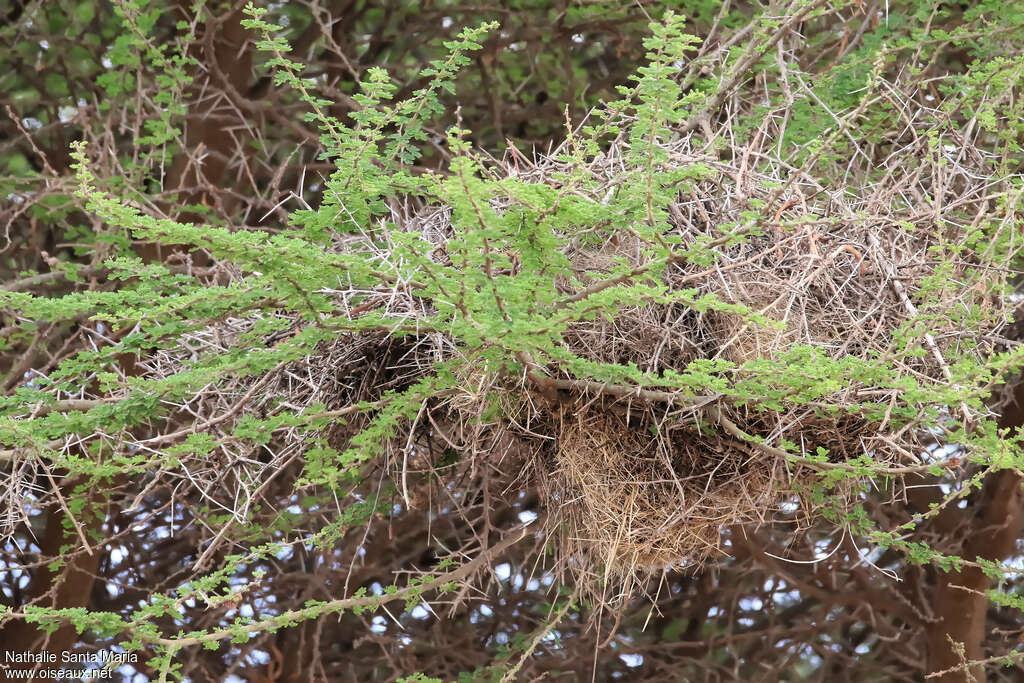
(630, 498)
(855, 280)
(805, 333)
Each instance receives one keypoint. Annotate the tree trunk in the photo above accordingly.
(959, 603)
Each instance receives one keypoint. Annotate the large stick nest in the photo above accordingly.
(636, 480)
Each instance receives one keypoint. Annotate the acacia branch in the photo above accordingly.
(371, 601)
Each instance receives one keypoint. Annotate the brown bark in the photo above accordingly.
(209, 147)
(67, 587)
(958, 600)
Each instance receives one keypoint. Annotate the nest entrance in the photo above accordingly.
(741, 340)
(632, 499)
